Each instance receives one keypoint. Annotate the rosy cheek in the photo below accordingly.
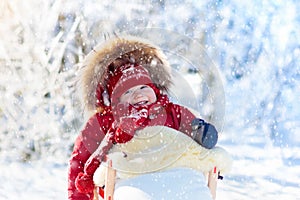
(153, 98)
(124, 99)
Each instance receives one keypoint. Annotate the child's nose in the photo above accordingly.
(137, 94)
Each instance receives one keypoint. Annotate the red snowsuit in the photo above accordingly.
(171, 115)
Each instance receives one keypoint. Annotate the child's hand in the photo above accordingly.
(84, 183)
(125, 129)
(127, 113)
(204, 133)
(128, 121)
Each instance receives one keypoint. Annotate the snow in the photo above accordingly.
(253, 45)
(36, 180)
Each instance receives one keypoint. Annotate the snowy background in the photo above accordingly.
(255, 48)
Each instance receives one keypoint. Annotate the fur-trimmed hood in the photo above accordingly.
(136, 50)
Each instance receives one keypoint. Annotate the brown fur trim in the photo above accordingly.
(136, 50)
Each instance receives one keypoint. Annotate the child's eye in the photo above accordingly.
(127, 92)
(144, 86)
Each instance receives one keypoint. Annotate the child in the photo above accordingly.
(125, 81)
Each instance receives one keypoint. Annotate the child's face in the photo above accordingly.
(139, 95)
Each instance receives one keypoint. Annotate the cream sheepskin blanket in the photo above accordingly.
(159, 148)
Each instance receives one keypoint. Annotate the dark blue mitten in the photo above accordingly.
(204, 133)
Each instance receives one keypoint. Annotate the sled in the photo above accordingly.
(106, 193)
(211, 162)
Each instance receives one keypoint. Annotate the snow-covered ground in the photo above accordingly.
(254, 45)
(259, 172)
(37, 180)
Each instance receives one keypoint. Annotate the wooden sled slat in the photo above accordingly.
(212, 181)
(109, 182)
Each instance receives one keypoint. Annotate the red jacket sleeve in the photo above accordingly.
(182, 118)
(85, 144)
